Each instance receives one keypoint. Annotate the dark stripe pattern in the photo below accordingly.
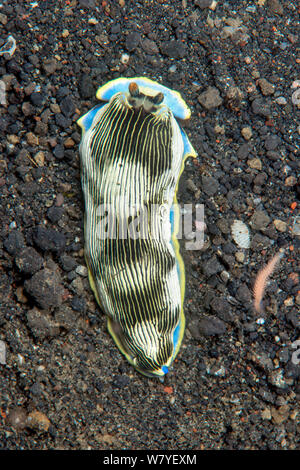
(127, 167)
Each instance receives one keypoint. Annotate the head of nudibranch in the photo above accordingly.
(143, 91)
(136, 93)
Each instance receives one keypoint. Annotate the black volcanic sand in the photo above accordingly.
(235, 383)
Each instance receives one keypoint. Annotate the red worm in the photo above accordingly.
(261, 281)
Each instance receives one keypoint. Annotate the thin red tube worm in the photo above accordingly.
(261, 281)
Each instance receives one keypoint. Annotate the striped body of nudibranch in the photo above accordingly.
(132, 154)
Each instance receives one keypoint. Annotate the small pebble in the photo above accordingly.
(260, 220)
(38, 421)
(39, 158)
(50, 65)
(46, 288)
(276, 378)
(55, 213)
(3, 19)
(173, 68)
(281, 100)
(13, 139)
(14, 242)
(17, 418)
(69, 143)
(210, 185)
(41, 324)
(296, 227)
(225, 276)
(266, 87)
(133, 40)
(32, 139)
(149, 46)
(261, 107)
(275, 6)
(247, 133)
(289, 302)
(255, 163)
(28, 260)
(243, 151)
(234, 97)
(290, 181)
(219, 129)
(211, 325)
(82, 271)
(210, 98)
(243, 294)
(280, 225)
(174, 49)
(20, 296)
(281, 414)
(48, 239)
(212, 266)
(55, 108)
(240, 256)
(206, 4)
(266, 414)
(59, 200)
(272, 142)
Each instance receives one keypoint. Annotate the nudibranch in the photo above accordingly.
(132, 154)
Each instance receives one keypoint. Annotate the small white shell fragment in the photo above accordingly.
(9, 47)
(240, 234)
(125, 59)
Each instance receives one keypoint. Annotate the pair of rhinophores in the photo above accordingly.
(132, 154)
